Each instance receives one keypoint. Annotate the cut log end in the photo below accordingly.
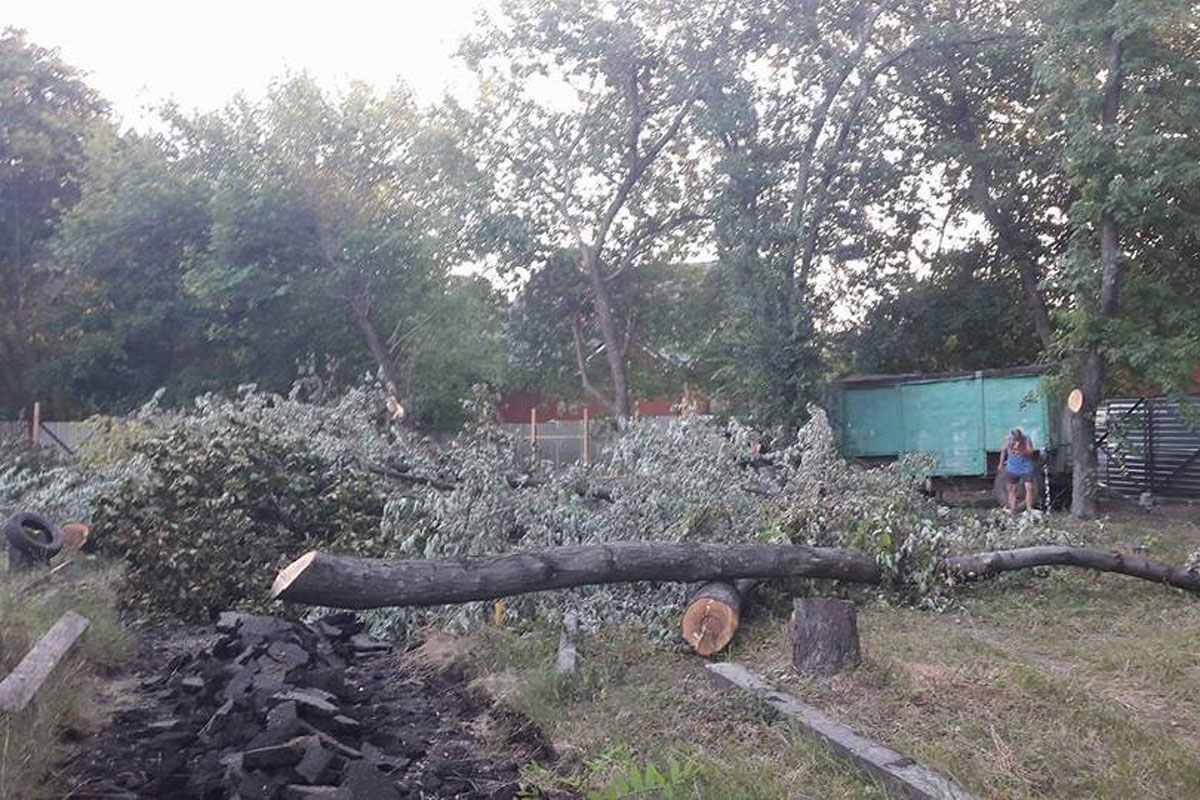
(709, 625)
(288, 575)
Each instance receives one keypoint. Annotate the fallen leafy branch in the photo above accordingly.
(514, 482)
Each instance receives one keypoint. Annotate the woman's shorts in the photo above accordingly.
(1013, 478)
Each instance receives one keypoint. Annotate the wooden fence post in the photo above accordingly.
(36, 433)
(587, 418)
(533, 432)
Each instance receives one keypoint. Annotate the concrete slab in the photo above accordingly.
(900, 775)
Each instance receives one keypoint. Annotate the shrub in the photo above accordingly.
(222, 507)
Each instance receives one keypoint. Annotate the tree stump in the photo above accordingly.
(824, 635)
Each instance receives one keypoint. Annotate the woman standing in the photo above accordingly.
(1017, 461)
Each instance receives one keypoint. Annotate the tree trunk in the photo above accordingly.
(824, 636)
(1083, 424)
(1083, 437)
(713, 614)
(614, 348)
(982, 565)
(383, 357)
(348, 582)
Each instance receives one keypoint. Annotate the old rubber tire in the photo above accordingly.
(19, 531)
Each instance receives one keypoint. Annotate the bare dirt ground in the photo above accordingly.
(421, 734)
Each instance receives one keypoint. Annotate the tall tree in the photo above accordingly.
(328, 209)
(1123, 90)
(589, 107)
(46, 112)
(978, 101)
(127, 322)
(816, 179)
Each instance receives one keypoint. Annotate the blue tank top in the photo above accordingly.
(1019, 463)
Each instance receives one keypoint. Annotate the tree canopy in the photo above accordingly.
(749, 198)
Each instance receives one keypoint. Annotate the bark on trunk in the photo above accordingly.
(1083, 424)
(1083, 437)
(347, 582)
(824, 636)
(614, 348)
(713, 614)
(383, 357)
(982, 565)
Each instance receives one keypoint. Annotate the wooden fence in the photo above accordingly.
(63, 436)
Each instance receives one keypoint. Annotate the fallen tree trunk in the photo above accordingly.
(348, 582)
(982, 565)
(713, 614)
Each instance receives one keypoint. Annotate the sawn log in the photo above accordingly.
(713, 614)
(349, 582)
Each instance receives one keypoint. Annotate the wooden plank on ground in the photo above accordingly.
(20, 686)
(900, 775)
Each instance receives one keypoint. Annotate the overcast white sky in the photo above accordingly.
(139, 53)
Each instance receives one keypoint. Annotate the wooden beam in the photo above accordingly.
(20, 686)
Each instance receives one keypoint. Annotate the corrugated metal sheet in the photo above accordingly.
(1150, 444)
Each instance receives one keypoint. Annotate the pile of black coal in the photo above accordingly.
(279, 709)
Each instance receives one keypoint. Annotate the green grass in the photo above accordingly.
(632, 706)
(1070, 684)
(31, 742)
(1064, 684)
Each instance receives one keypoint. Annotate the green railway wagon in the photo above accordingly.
(960, 419)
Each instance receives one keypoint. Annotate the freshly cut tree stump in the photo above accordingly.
(713, 614)
(824, 635)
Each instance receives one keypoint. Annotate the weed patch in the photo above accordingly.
(32, 741)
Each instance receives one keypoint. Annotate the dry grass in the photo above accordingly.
(1059, 685)
(33, 741)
